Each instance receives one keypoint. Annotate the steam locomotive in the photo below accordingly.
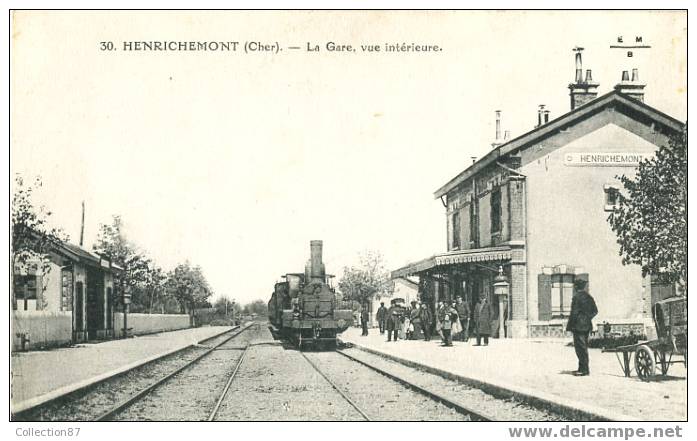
(303, 309)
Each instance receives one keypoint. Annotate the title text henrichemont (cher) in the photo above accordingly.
(272, 47)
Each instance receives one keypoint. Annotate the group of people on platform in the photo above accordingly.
(449, 320)
(453, 319)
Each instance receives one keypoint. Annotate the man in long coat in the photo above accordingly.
(426, 321)
(463, 312)
(381, 317)
(583, 309)
(364, 320)
(482, 320)
(394, 321)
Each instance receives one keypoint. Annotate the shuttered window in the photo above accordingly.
(555, 293)
(456, 230)
(562, 293)
(496, 211)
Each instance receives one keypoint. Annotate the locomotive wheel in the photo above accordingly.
(644, 362)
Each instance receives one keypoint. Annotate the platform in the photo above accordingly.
(542, 369)
(39, 376)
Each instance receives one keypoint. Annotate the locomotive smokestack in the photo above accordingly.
(316, 266)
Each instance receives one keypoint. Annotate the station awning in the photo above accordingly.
(453, 258)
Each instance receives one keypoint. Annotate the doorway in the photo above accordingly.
(94, 306)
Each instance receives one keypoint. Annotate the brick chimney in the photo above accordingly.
(633, 89)
(582, 90)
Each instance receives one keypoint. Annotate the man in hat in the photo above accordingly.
(381, 317)
(393, 321)
(426, 321)
(463, 312)
(482, 320)
(583, 310)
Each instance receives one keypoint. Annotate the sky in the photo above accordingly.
(235, 161)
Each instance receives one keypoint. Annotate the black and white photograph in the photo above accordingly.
(314, 215)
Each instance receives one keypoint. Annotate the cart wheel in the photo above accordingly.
(644, 362)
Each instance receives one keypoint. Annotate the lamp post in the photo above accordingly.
(126, 298)
(501, 286)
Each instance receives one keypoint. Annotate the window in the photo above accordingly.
(25, 289)
(555, 290)
(456, 230)
(611, 197)
(474, 224)
(67, 290)
(562, 292)
(496, 211)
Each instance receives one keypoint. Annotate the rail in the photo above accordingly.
(214, 412)
(341, 392)
(145, 391)
(460, 408)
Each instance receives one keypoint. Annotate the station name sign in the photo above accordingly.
(619, 159)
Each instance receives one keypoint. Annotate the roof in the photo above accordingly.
(409, 282)
(81, 255)
(590, 108)
(454, 257)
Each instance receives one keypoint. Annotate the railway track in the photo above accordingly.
(223, 394)
(473, 415)
(337, 388)
(468, 413)
(95, 402)
(250, 378)
(466, 399)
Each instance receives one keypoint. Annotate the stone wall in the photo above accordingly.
(41, 329)
(151, 323)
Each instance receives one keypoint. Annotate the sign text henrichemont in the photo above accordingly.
(606, 159)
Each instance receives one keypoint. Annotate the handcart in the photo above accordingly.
(670, 318)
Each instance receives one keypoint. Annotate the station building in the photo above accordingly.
(69, 297)
(536, 208)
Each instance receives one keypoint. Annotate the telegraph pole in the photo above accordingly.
(82, 225)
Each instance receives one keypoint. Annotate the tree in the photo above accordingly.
(225, 306)
(189, 286)
(650, 218)
(32, 237)
(258, 307)
(141, 276)
(155, 288)
(366, 281)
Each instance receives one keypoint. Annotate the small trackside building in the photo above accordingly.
(68, 297)
(536, 207)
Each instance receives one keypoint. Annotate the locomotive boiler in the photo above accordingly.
(303, 308)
